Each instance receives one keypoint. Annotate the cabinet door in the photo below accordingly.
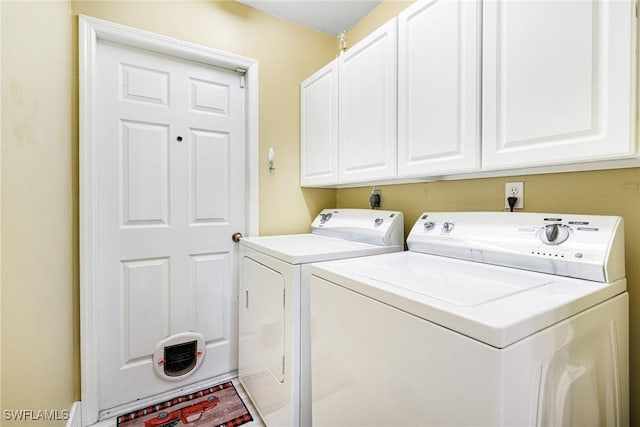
(439, 88)
(367, 108)
(557, 82)
(319, 127)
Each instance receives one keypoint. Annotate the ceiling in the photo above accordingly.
(327, 16)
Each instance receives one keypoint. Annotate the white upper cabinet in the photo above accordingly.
(367, 108)
(460, 86)
(439, 88)
(319, 127)
(557, 82)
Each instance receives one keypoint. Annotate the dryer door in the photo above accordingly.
(263, 329)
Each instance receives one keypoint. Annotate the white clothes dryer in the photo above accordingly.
(274, 303)
(492, 319)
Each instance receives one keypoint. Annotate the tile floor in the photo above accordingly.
(257, 421)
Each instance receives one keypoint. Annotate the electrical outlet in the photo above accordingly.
(375, 199)
(515, 189)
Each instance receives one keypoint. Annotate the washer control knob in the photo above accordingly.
(378, 222)
(447, 227)
(429, 225)
(553, 234)
(325, 217)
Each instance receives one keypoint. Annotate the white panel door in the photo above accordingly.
(319, 127)
(439, 88)
(367, 108)
(170, 182)
(557, 82)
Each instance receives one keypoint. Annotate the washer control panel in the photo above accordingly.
(583, 246)
(362, 225)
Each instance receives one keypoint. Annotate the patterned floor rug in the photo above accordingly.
(214, 406)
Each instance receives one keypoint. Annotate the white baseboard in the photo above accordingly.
(75, 415)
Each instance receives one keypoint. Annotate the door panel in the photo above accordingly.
(209, 186)
(170, 183)
(209, 97)
(367, 108)
(144, 85)
(209, 273)
(439, 88)
(145, 169)
(145, 294)
(557, 82)
(319, 127)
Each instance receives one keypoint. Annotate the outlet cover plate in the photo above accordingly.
(379, 193)
(514, 189)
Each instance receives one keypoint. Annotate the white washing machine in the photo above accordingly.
(274, 303)
(490, 319)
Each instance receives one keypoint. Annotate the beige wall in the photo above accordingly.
(40, 338)
(614, 192)
(1, 103)
(39, 356)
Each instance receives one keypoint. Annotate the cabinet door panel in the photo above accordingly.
(319, 127)
(438, 88)
(367, 108)
(557, 82)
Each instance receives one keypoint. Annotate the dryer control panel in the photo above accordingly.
(361, 225)
(583, 246)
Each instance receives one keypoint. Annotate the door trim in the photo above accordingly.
(90, 30)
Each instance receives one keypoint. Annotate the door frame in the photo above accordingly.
(90, 30)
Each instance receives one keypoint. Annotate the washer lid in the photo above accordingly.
(307, 248)
(492, 304)
(467, 285)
